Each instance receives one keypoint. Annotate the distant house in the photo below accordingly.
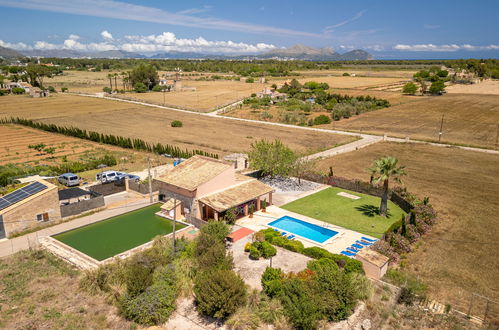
(28, 207)
(208, 187)
(20, 84)
(37, 92)
(274, 95)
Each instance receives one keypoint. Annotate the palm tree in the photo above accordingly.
(115, 81)
(110, 76)
(123, 79)
(382, 170)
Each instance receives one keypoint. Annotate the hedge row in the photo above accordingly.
(137, 144)
(348, 264)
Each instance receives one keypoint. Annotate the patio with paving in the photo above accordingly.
(336, 244)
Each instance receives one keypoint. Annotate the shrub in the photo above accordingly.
(52, 89)
(250, 80)
(268, 250)
(138, 276)
(107, 90)
(321, 120)
(140, 87)
(346, 74)
(152, 307)
(316, 252)
(64, 89)
(412, 288)
(157, 88)
(217, 229)
(295, 245)
(272, 281)
(244, 318)
(254, 253)
(410, 88)
(247, 247)
(219, 293)
(176, 123)
(17, 90)
(300, 305)
(215, 257)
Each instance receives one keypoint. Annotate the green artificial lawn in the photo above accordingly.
(112, 236)
(361, 215)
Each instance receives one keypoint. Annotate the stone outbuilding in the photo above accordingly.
(375, 264)
(240, 161)
(28, 207)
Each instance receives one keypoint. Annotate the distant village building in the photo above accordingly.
(37, 92)
(240, 161)
(273, 94)
(20, 84)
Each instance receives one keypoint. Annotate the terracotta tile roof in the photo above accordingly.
(195, 171)
(236, 195)
(373, 257)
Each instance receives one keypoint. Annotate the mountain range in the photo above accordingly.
(296, 52)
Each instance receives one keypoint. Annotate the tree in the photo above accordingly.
(107, 90)
(110, 77)
(145, 74)
(219, 293)
(36, 74)
(410, 88)
(437, 87)
(49, 150)
(383, 170)
(272, 158)
(115, 81)
(38, 147)
(301, 166)
(140, 87)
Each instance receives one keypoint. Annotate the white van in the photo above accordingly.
(109, 176)
(69, 179)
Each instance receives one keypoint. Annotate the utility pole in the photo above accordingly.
(497, 137)
(441, 127)
(174, 220)
(149, 179)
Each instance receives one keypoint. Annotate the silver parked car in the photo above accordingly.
(69, 179)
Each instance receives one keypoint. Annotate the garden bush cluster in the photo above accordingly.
(259, 249)
(347, 264)
(323, 291)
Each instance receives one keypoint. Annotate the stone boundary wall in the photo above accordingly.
(82, 206)
(143, 188)
(360, 187)
(107, 189)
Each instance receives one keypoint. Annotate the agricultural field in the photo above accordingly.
(217, 135)
(361, 72)
(470, 119)
(484, 87)
(14, 147)
(456, 257)
(82, 81)
(206, 96)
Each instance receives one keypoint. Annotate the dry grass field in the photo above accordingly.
(16, 139)
(153, 125)
(361, 72)
(459, 255)
(82, 81)
(469, 119)
(207, 96)
(345, 82)
(484, 87)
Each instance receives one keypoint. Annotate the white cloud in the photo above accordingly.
(443, 48)
(128, 11)
(189, 11)
(165, 42)
(106, 35)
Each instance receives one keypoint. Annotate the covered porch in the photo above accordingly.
(245, 198)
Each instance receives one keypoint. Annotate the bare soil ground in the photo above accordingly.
(153, 125)
(484, 87)
(457, 257)
(38, 291)
(16, 139)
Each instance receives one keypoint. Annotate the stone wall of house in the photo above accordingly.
(143, 188)
(23, 216)
(108, 188)
(82, 206)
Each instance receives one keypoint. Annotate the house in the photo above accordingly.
(29, 206)
(274, 95)
(21, 84)
(207, 188)
(73, 195)
(37, 92)
(375, 264)
(240, 161)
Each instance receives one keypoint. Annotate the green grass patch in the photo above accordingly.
(361, 215)
(109, 237)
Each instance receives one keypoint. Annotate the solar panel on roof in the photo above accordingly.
(20, 194)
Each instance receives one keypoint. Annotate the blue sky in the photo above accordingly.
(386, 28)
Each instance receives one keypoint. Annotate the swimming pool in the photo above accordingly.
(303, 229)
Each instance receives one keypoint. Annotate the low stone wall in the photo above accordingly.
(83, 206)
(143, 188)
(108, 188)
(198, 223)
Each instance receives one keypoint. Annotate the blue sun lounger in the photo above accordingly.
(353, 250)
(368, 239)
(358, 246)
(291, 237)
(284, 233)
(348, 254)
(363, 243)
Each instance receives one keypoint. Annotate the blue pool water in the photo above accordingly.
(304, 229)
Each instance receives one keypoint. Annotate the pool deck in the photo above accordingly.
(336, 244)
